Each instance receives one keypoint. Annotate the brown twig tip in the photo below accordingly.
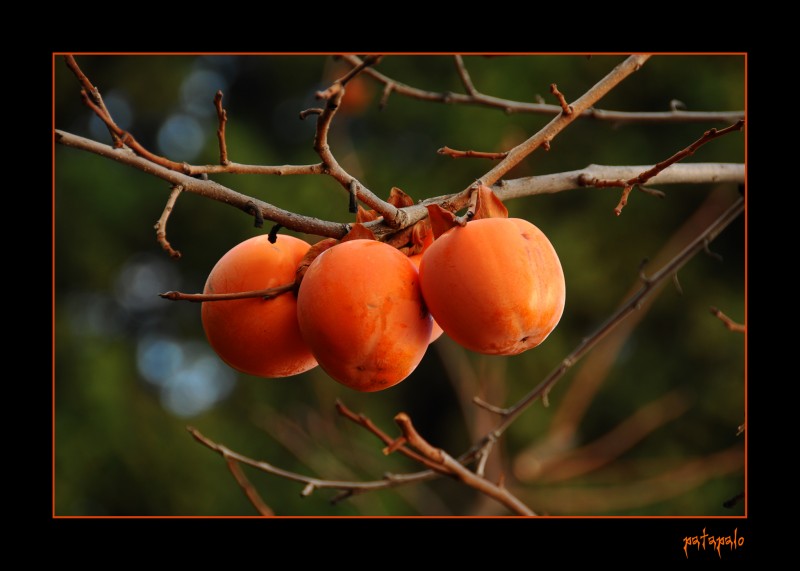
(623, 200)
(395, 446)
(414, 439)
(729, 323)
(464, 75)
(248, 489)
(447, 151)
(161, 224)
(222, 116)
(566, 108)
(387, 91)
(313, 111)
(490, 407)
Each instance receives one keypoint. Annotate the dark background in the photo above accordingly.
(132, 370)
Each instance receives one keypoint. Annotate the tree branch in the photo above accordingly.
(509, 106)
(439, 456)
(390, 481)
(393, 217)
(207, 188)
(645, 176)
(696, 173)
(452, 153)
(364, 422)
(267, 293)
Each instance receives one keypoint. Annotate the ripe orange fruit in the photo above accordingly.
(361, 312)
(256, 336)
(495, 285)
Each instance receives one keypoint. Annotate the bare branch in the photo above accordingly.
(268, 293)
(393, 217)
(207, 188)
(390, 481)
(161, 225)
(390, 442)
(464, 75)
(447, 151)
(95, 94)
(505, 190)
(554, 127)
(694, 173)
(645, 176)
(471, 479)
(729, 323)
(248, 488)
(508, 106)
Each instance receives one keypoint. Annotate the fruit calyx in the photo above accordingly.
(483, 203)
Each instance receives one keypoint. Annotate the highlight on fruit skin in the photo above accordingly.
(256, 336)
(495, 285)
(361, 312)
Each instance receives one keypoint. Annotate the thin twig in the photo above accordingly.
(390, 481)
(559, 123)
(268, 293)
(339, 84)
(646, 175)
(464, 75)
(729, 323)
(509, 106)
(161, 225)
(447, 151)
(366, 423)
(95, 94)
(222, 116)
(566, 108)
(394, 217)
(248, 488)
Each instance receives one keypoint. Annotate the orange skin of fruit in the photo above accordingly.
(361, 311)
(256, 336)
(495, 286)
(437, 331)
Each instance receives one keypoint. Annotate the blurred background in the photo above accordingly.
(646, 424)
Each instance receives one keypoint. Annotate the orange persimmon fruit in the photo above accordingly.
(495, 285)
(362, 314)
(257, 336)
(416, 259)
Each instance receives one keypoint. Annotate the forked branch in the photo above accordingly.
(474, 98)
